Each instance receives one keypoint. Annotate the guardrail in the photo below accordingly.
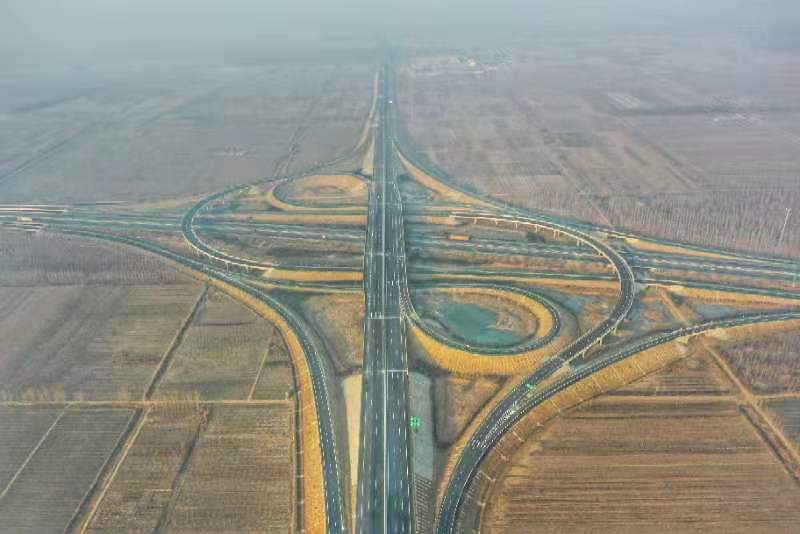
(335, 519)
(276, 271)
(519, 402)
(524, 346)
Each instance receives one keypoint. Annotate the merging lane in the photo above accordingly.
(315, 359)
(521, 401)
(384, 480)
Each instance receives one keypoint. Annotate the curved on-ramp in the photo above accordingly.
(521, 401)
(320, 459)
(556, 326)
(310, 273)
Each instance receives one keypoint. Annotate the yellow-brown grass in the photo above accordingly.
(683, 466)
(314, 518)
(367, 164)
(722, 297)
(593, 286)
(436, 185)
(298, 275)
(653, 246)
(445, 220)
(457, 400)
(465, 362)
(350, 189)
(328, 219)
(343, 331)
(544, 319)
(758, 330)
(609, 378)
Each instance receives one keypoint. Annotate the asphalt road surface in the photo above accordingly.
(384, 482)
(522, 400)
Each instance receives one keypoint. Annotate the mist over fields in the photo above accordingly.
(77, 70)
(118, 30)
(372, 266)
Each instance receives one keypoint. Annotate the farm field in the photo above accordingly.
(596, 133)
(696, 374)
(54, 260)
(173, 130)
(498, 268)
(786, 414)
(87, 342)
(218, 469)
(221, 354)
(767, 365)
(240, 474)
(275, 380)
(138, 496)
(20, 432)
(84, 319)
(87, 323)
(683, 466)
(64, 459)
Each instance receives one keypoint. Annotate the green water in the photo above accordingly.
(474, 325)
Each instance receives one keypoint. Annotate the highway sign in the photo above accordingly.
(415, 423)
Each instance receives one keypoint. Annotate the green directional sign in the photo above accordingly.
(415, 423)
(529, 387)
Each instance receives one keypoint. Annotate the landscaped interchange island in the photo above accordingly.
(369, 298)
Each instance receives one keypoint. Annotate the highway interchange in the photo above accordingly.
(384, 483)
(384, 500)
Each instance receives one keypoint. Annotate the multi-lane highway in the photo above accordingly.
(746, 266)
(384, 503)
(195, 241)
(520, 402)
(639, 259)
(385, 482)
(509, 407)
(533, 341)
(315, 359)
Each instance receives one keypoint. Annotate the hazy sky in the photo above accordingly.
(46, 28)
(40, 30)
